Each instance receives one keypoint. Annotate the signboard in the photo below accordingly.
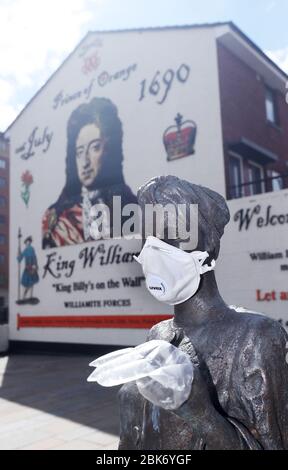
(252, 270)
(123, 108)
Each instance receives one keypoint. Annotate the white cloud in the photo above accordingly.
(6, 90)
(280, 57)
(35, 36)
(7, 111)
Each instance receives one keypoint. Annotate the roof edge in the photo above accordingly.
(246, 38)
(161, 28)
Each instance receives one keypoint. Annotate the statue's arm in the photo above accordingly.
(263, 384)
(131, 405)
(214, 430)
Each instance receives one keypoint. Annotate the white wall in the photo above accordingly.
(144, 157)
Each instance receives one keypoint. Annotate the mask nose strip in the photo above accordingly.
(159, 249)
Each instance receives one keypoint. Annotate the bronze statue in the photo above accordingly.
(239, 395)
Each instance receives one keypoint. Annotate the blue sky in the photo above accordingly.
(59, 25)
(265, 21)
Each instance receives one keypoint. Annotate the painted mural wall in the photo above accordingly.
(252, 270)
(124, 107)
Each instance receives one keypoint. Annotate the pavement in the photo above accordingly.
(46, 403)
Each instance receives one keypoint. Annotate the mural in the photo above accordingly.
(93, 132)
(27, 180)
(93, 173)
(30, 273)
(179, 140)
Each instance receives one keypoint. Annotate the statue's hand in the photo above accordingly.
(199, 406)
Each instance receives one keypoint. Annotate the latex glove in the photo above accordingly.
(163, 373)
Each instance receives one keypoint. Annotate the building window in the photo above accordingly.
(2, 182)
(2, 239)
(235, 177)
(2, 201)
(2, 258)
(276, 181)
(270, 102)
(2, 219)
(2, 279)
(3, 146)
(2, 164)
(255, 179)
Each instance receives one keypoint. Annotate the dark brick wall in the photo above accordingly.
(243, 110)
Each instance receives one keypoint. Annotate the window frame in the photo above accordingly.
(240, 189)
(271, 93)
(250, 182)
(276, 175)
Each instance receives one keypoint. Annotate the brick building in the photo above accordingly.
(254, 117)
(4, 219)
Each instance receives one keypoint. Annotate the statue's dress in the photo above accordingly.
(244, 360)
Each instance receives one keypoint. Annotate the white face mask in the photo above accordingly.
(172, 275)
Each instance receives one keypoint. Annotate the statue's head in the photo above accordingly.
(213, 213)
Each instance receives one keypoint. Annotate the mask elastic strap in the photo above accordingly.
(136, 259)
(205, 268)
